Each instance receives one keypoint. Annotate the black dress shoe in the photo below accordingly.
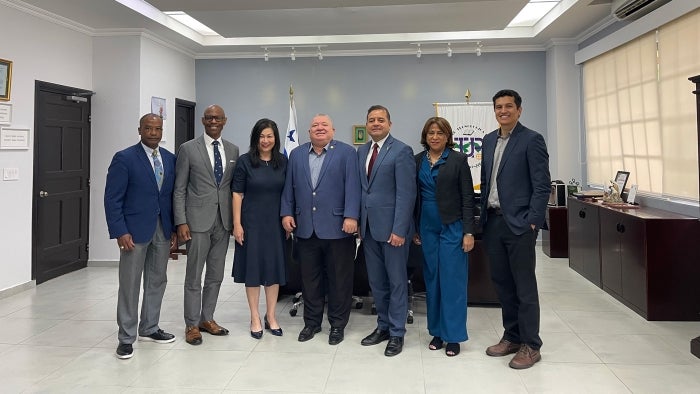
(377, 336)
(394, 347)
(308, 333)
(256, 334)
(336, 336)
(274, 331)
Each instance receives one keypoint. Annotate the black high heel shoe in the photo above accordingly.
(256, 334)
(274, 331)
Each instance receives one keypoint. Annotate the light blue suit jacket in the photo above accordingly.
(523, 178)
(132, 200)
(323, 208)
(389, 195)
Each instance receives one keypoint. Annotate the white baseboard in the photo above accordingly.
(10, 291)
(103, 263)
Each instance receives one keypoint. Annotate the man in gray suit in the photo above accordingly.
(202, 209)
(388, 179)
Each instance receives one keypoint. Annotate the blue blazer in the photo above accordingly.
(523, 178)
(132, 200)
(389, 195)
(336, 196)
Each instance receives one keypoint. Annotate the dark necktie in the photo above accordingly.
(372, 159)
(218, 166)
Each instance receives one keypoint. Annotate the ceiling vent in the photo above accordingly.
(634, 9)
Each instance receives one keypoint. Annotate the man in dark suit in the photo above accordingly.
(515, 186)
(388, 179)
(321, 205)
(202, 209)
(138, 207)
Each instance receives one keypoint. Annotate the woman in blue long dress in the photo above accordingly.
(446, 221)
(259, 257)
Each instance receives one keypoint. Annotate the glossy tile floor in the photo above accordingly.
(61, 337)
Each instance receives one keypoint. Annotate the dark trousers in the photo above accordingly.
(512, 259)
(388, 279)
(331, 259)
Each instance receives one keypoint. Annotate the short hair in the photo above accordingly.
(148, 115)
(508, 93)
(377, 107)
(443, 125)
(258, 128)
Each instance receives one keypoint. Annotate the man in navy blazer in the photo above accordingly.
(388, 179)
(138, 207)
(515, 186)
(321, 205)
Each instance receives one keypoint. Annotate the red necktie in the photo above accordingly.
(372, 159)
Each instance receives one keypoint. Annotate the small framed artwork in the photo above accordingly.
(5, 113)
(621, 179)
(158, 107)
(14, 138)
(359, 134)
(5, 79)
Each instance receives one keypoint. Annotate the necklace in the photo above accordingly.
(432, 161)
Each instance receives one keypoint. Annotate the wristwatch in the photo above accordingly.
(469, 234)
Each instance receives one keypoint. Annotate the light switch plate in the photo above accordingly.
(10, 174)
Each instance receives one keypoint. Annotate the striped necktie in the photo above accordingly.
(157, 168)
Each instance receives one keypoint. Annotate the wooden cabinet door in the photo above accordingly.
(584, 241)
(633, 261)
(610, 260)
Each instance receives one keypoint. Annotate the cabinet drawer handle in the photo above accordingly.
(582, 214)
(620, 228)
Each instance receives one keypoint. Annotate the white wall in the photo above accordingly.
(128, 72)
(43, 51)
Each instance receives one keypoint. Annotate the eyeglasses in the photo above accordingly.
(216, 118)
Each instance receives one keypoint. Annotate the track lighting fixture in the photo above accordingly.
(419, 53)
(449, 50)
(267, 55)
(293, 56)
(320, 54)
(478, 48)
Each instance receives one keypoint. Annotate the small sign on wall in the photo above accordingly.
(14, 138)
(5, 113)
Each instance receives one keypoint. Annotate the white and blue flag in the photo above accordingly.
(291, 140)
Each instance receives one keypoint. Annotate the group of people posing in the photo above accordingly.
(325, 194)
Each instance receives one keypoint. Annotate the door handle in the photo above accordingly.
(582, 214)
(43, 194)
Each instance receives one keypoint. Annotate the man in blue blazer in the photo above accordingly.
(388, 179)
(321, 205)
(515, 186)
(138, 207)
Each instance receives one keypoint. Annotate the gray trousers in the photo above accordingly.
(208, 248)
(149, 259)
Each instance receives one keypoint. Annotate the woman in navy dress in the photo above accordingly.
(445, 210)
(259, 258)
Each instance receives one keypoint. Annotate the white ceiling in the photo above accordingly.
(340, 27)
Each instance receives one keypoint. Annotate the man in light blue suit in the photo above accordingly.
(515, 186)
(388, 178)
(138, 207)
(321, 205)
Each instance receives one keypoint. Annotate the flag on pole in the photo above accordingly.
(291, 140)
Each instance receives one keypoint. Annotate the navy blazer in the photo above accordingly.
(454, 191)
(132, 200)
(323, 208)
(523, 178)
(389, 195)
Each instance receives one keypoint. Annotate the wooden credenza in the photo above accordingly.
(646, 258)
(555, 240)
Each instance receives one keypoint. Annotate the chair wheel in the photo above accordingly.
(409, 320)
(292, 312)
(359, 305)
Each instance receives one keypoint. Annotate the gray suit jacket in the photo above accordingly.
(196, 198)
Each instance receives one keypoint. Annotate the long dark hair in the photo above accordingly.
(261, 125)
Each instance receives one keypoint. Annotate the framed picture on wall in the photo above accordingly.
(5, 79)
(359, 134)
(158, 107)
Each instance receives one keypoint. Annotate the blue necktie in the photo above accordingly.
(157, 168)
(218, 166)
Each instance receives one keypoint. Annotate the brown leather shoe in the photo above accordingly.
(212, 328)
(193, 336)
(525, 358)
(503, 348)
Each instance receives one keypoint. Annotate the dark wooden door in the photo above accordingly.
(61, 180)
(633, 260)
(184, 122)
(584, 242)
(610, 256)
